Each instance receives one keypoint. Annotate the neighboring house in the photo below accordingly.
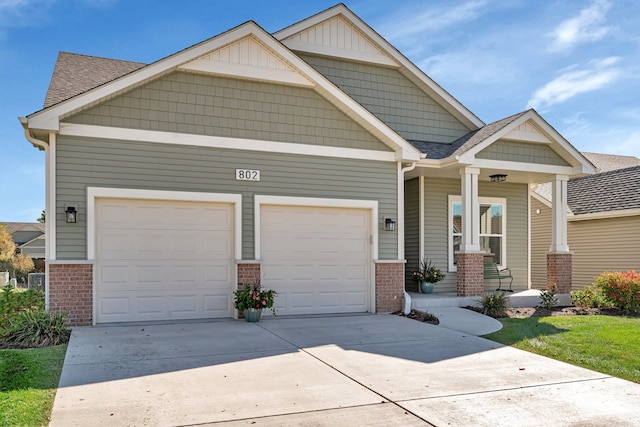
(317, 159)
(604, 221)
(30, 240)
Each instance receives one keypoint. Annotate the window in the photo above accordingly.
(492, 229)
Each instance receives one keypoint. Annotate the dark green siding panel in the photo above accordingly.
(124, 164)
(225, 107)
(392, 98)
(437, 193)
(522, 152)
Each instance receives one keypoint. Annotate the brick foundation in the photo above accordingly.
(389, 286)
(559, 272)
(71, 290)
(248, 273)
(470, 275)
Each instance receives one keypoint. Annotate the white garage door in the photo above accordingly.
(317, 259)
(161, 260)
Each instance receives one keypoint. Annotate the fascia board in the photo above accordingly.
(604, 215)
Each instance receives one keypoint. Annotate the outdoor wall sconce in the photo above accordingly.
(389, 224)
(71, 215)
(498, 178)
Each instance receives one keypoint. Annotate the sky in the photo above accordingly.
(577, 62)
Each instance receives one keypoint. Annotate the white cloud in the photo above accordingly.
(470, 67)
(573, 81)
(410, 22)
(582, 28)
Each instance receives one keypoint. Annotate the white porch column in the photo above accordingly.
(470, 210)
(559, 242)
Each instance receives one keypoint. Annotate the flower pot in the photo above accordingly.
(252, 314)
(426, 287)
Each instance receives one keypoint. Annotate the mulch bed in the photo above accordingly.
(419, 315)
(519, 313)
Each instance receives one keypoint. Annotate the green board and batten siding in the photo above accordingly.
(436, 194)
(225, 107)
(391, 97)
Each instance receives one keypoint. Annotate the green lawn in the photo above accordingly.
(28, 382)
(607, 344)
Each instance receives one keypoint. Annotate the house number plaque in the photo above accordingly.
(247, 175)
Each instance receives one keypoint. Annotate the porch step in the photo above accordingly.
(528, 298)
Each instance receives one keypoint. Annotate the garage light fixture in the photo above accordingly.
(71, 215)
(498, 178)
(389, 224)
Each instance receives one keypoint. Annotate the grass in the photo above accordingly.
(607, 344)
(28, 383)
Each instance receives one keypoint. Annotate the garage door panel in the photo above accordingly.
(163, 260)
(317, 259)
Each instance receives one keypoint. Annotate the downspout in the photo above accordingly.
(48, 230)
(406, 308)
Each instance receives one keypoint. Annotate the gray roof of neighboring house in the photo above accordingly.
(439, 150)
(604, 192)
(12, 227)
(609, 162)
(74, 74)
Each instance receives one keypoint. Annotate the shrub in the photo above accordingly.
(35, 328)
(590, 297)
(548, 299)
(622, 288)
(14, 301)
(495, 304)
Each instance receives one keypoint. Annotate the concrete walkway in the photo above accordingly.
(373, 370)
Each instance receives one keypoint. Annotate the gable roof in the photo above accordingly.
(13, 227)
(438, 150)
(274, 62)
(74, 74)
(605, 192)
(351, 38)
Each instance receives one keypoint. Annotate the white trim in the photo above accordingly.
(523, 167)
(205, 66)
(529, 192)
(94, 193)
(105, 132)
(351, 55)
(371, 205)
(559, 198)
(481, 200)
(421, 238)
(390, 261)
(604, 215)
(50, 210)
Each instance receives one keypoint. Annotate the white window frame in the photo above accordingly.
(483, 201)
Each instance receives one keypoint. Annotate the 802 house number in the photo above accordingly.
(247, 175)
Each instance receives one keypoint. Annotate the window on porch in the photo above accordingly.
(492, 229)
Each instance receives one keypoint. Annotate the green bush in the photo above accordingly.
(495, 304)
(622, 288)
(35, 328)
(589, 297)
(14, 301)
(548, 299)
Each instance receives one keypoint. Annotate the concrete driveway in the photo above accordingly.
(373, 370)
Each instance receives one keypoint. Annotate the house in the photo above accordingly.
(30, 239)
(317, 159)
(603, 221)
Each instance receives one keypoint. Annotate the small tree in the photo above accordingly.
(18, 265)
(43, 217)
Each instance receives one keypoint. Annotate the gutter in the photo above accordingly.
(406, 307)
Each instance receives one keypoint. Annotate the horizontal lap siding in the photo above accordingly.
(437, 191)
(412, 229)
(599, 245)
(392, 98)
(125, 164)
(540, 243)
